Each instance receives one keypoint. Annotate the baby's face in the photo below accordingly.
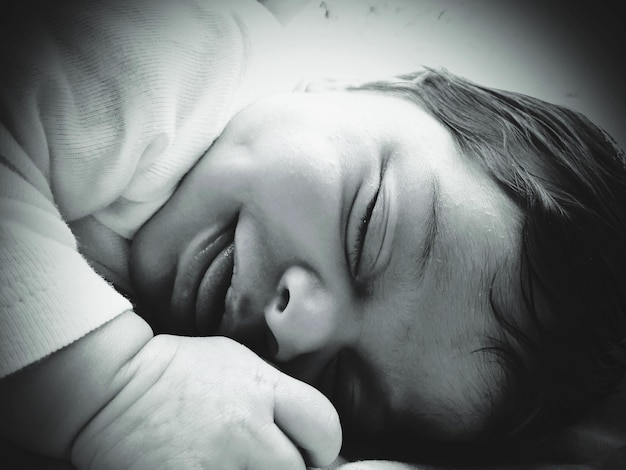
(342, 236)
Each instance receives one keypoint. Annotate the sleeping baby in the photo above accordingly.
(209, 263)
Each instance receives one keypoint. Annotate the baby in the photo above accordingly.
(435, 265)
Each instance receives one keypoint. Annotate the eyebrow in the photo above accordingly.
(432, 228)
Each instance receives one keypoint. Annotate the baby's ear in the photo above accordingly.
(316, 85)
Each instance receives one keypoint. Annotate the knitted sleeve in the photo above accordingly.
(49, 295)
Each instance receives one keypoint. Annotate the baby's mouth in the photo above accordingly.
(203, 275)
(211, 294)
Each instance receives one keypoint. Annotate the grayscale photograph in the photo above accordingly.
(312, 235)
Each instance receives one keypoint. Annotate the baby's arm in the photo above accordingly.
(119, 398)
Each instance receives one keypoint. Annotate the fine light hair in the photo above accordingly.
(563, 342)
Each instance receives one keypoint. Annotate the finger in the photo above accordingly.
(274, 450)
(308, 418)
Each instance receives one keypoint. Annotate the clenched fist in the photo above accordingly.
(208, 403)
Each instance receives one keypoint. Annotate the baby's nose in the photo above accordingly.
(302, 315)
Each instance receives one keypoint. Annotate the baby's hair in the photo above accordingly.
(564, 346)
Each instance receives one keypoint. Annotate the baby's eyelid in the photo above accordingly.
(373, 252)
(355, 242)
(347, 232)
(377, 232)
(363, 229)
(355, 230)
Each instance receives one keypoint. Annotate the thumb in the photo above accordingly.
(308, 418)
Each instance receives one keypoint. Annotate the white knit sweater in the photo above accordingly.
(104, 106)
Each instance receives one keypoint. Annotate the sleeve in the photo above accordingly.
(104, 104)
(49, 295)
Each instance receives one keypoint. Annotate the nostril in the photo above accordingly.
(283, 300)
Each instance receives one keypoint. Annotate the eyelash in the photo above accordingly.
(357, 247)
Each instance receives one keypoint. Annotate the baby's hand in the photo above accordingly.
(209, 403)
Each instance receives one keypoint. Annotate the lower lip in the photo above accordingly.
(212, 292)
(196, 261)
